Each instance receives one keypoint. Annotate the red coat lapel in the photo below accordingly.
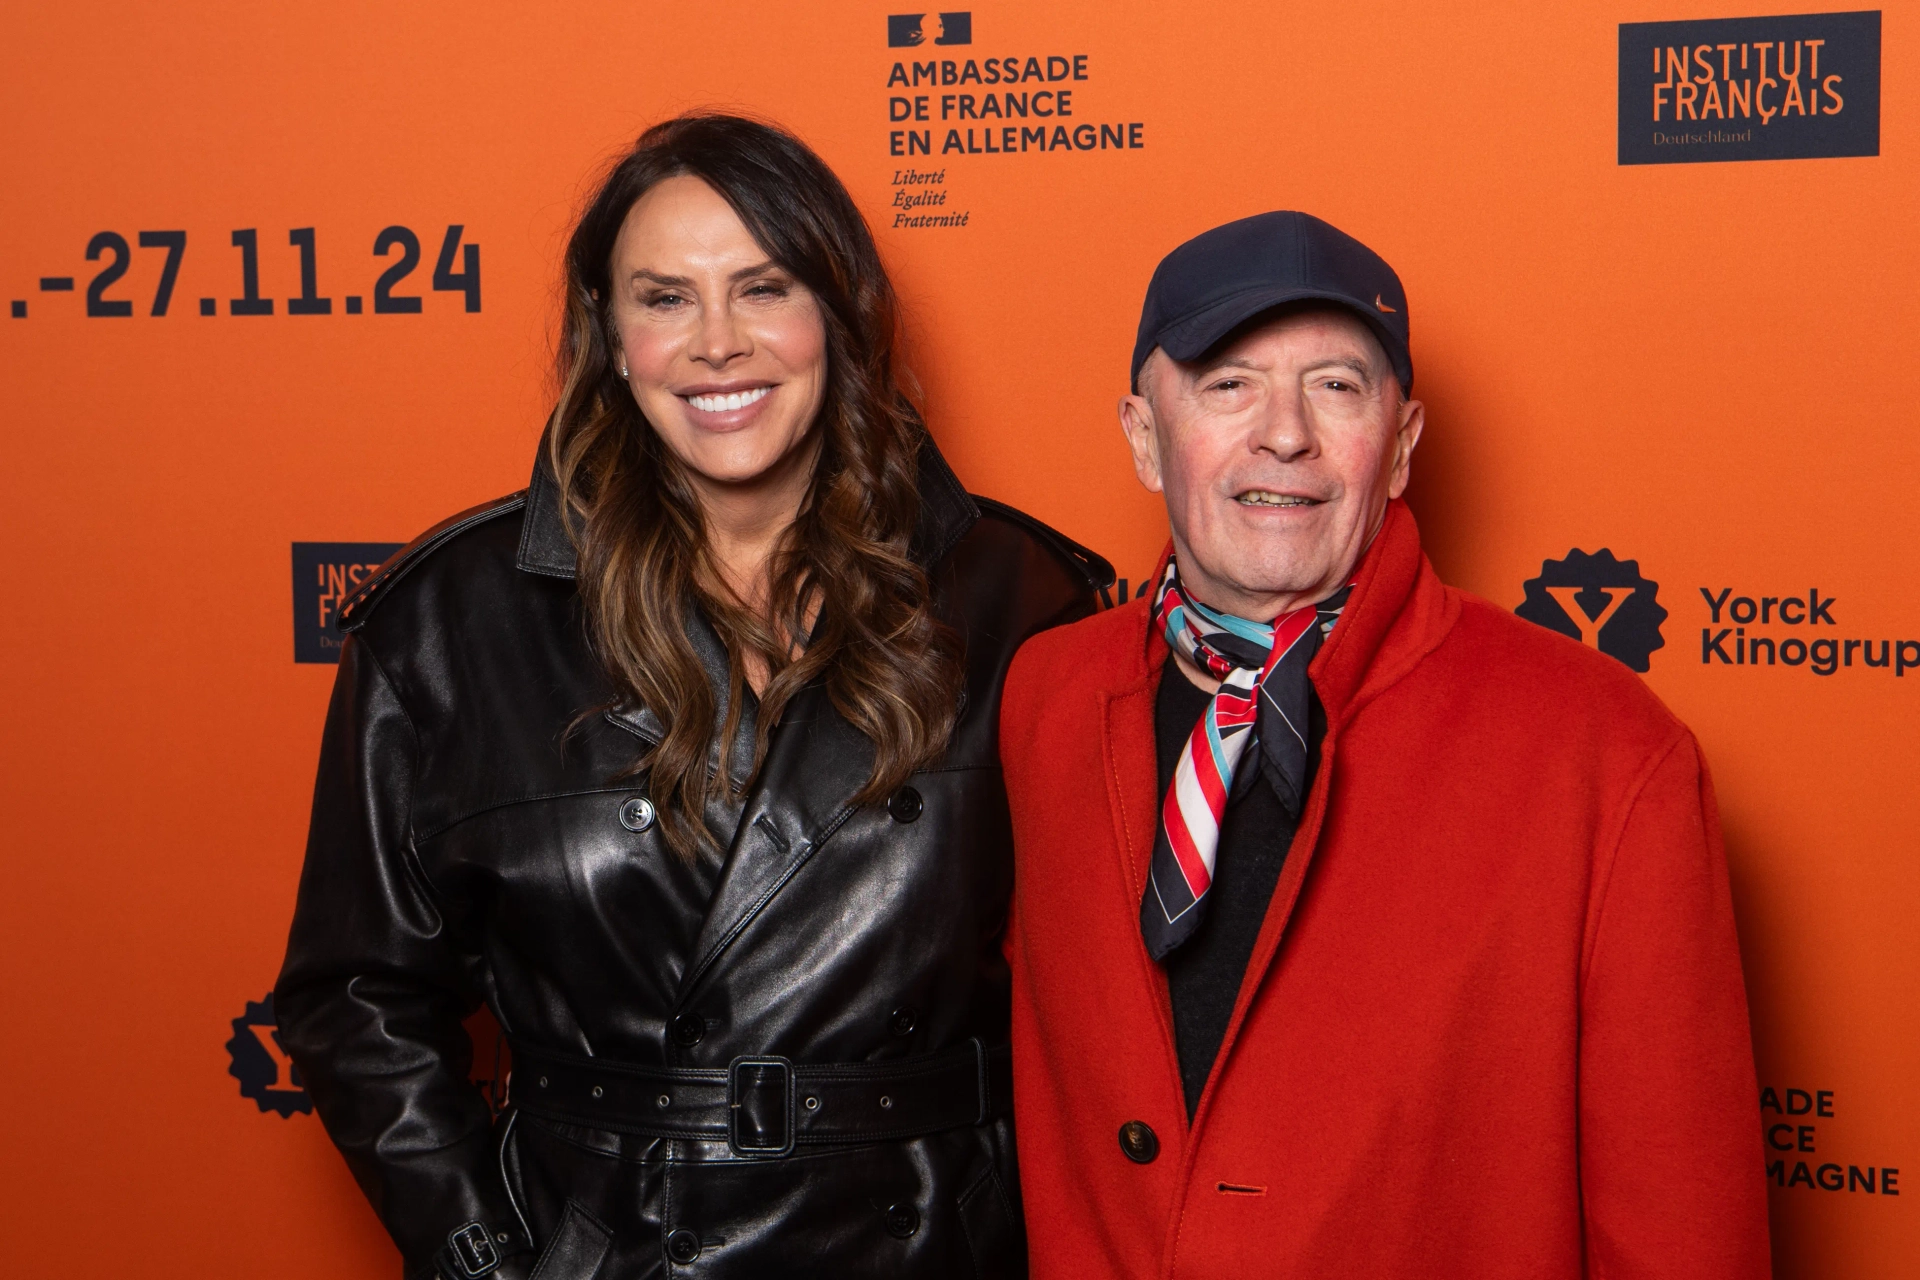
(1399, 612)
(1133, 791)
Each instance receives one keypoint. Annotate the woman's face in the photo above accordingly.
(725, 352)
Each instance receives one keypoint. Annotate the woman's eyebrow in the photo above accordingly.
(758, 268)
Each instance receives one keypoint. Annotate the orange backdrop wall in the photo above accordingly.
(1701, 368)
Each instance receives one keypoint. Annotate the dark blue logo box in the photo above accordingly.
(324, 574)
(905, 30)
(1781, 88)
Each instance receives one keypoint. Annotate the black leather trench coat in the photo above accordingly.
(466, 846)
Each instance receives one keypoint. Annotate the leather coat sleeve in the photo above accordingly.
(375, 985)
(1670, 1156)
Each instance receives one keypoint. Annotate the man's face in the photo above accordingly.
(1277, 454)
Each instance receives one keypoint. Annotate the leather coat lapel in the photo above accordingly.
(816, 763)
(638, 720)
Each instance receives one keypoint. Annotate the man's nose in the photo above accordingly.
(721, 336)
(1284, 429)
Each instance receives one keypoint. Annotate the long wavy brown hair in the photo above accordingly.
(891, 668)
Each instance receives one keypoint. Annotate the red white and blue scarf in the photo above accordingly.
(1261, 707)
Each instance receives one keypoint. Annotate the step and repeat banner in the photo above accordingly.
(281, 287)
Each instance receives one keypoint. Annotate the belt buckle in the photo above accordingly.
(751, 1139)
(471, 1250)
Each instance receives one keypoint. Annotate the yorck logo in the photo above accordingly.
(256, 1060)
(324, 575)
(906, 30)
(1601, 601)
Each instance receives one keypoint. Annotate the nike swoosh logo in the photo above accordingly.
(1383, 306)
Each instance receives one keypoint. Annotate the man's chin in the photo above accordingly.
(1273, 563)
(1232, 573)
(1249, 589)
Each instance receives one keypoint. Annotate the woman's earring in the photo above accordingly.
(623, 370)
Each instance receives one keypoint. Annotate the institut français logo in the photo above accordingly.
(325, 574)
(1790, 87)
(262, 1067)
(1601, 601)
(905, 30)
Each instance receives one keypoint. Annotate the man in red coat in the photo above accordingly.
(1362, 929)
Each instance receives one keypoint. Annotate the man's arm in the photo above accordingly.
(1671, 1169)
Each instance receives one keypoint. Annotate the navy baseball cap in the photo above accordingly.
(1222, 278)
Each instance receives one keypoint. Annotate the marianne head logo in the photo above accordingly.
(324, 575)
(1601, 601)
(256, 1060)
(905, 30)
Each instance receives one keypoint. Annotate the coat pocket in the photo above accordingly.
(578, 1248)
(992, 1237)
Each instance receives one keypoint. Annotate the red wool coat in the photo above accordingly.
(1494, 1025)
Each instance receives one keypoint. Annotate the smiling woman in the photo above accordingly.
(758, 462)
(726, 355)
(686, 762)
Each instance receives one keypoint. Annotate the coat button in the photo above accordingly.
(637, 814)
(689, 1029)
(1139, 1142)
(902, 1022)
(906, 805)
(683, 1246)
(902, 1220)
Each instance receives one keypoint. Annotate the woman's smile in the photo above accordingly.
(724, 402)
(726, 408)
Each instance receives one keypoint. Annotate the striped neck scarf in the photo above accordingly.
(1261, 707)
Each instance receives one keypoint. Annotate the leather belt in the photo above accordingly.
(765, 1107)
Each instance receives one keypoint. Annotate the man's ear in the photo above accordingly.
(1137, 422)
(1413, 419)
